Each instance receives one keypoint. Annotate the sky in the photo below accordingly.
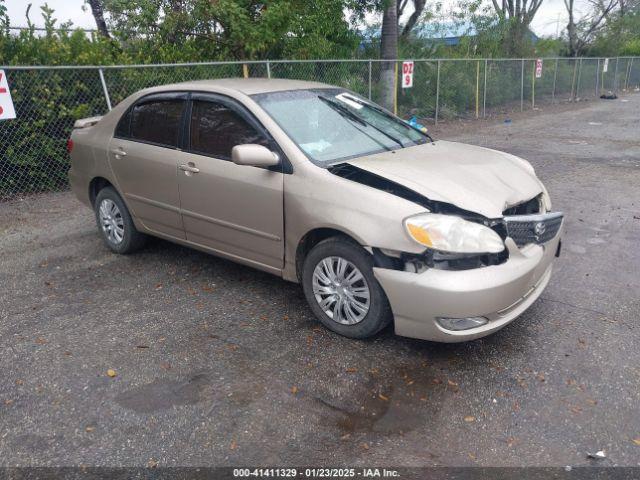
(551, 17)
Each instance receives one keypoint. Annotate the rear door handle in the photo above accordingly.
(119, 152)
(189, 168)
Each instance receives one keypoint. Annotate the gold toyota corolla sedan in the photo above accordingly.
(315, 184)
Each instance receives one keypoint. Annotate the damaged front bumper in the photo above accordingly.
(499, 293)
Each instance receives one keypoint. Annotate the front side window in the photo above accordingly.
(216, 129)
(332, 125)
(157, 121)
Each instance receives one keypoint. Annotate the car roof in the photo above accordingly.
(248, 86)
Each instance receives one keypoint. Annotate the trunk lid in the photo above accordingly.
(86, 122)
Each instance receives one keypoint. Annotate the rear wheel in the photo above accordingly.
(343, 293)
(115, 223)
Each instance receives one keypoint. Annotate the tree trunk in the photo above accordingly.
(516, 37)
(175, 9)
(573, 39)
(572, 33)
(389, 51)
(515, 17)
(415, 16)
(97, 9)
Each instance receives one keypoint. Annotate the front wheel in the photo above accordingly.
(343, 293)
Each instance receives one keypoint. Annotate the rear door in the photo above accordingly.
(144, 157)
(234, 209)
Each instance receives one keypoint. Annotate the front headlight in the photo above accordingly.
(452, 234)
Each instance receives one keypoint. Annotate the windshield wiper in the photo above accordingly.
(388, 115)
(349, 114)
(343, 110)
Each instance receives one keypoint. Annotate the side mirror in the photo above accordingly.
(254, 155)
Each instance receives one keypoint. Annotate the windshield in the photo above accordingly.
(332, 125)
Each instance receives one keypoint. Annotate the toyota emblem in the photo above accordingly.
(539, 228)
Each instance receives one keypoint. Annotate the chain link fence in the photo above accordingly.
(48, 100)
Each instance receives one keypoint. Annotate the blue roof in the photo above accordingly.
(445, 30)
(449, 33)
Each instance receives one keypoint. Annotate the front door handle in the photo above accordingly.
(189, 168)
(118, 152)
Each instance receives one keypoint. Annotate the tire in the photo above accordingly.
(326, 255)
(126, 238)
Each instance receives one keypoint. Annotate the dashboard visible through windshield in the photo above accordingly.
(332, 125)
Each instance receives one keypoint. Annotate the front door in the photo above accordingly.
(234, 209)
(144, 154)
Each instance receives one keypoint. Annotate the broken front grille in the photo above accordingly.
(525, 208)
(539, 229)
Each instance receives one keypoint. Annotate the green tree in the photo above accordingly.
(621, 33)
(238, 29)
(515, 17)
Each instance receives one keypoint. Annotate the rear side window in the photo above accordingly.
(122, 130)
(216, 129)
(157, 121)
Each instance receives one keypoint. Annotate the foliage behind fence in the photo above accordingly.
(33, 155)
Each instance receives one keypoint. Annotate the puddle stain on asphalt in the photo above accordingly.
(395, 412)
(162, 394)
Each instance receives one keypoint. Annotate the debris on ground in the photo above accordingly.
(599, 455)
(609, 96)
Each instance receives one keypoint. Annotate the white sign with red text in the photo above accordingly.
(539, 68)
(6, 104)
(407, 74)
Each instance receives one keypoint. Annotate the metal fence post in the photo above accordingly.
(615, 77)
(579, 76)
(395, 88)
(533, 86)
(573, 79)
(522, 85)
(370, 62)
(597, 77)
(484, 92)
(626, 80)
(478, 89)
(268, 69)
(104, 88)
(555, 77)
(438, 92)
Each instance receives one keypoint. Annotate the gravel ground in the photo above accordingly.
(218, 364)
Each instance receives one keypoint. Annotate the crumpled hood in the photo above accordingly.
(473, 178)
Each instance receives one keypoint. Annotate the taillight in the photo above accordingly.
(69, 145)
